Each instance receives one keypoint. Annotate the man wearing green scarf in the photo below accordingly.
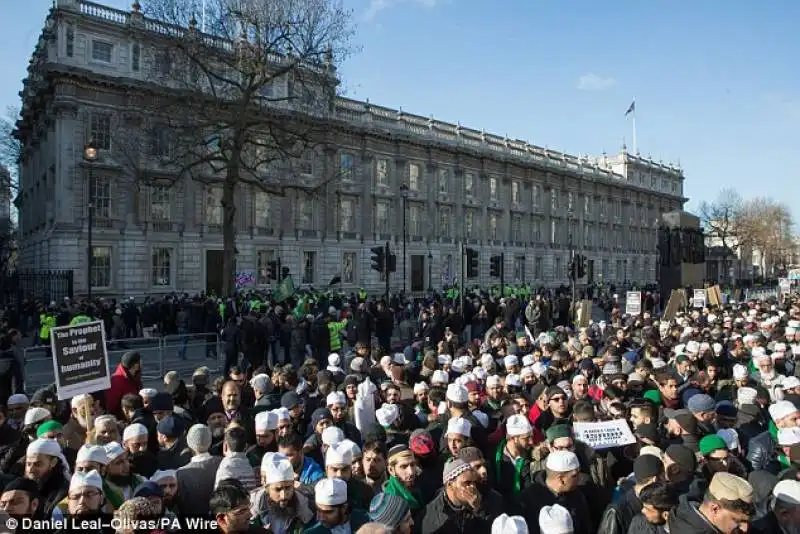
(403, 478)
(512, 457)
(763, 451)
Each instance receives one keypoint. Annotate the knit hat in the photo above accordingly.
(555, 520)
(731, 437)
(17, 399)
(647, 466)
(162, 402)
(421, 443)
(682, 456)
(389, 510)
(470, 454)
(170, 426)
(504, 524)
(712, 443)
(453, 469)
(701, 403)
(199, 438)
(48, 426)
(558, 431)
(320, 414)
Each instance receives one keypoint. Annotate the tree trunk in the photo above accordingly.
(229, 226)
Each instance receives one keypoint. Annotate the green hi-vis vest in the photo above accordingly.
(47, 322)
(80, 319)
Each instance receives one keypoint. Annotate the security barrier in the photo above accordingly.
(181, 353)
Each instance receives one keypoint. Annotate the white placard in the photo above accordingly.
(699, 298)
(604, 434)
(633, 303)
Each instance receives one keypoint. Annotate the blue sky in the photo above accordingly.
(715, 88)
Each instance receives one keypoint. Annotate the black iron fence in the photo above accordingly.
(31, 285)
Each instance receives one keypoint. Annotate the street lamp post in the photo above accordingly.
(404, 195)
(90, 156)
(430, 273)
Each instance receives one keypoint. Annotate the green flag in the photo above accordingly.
(285, 289)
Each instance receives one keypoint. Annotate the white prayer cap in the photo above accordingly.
(134, 431)
(334, 359)
(36, 415)
(148, 393)
(399, 358)
(282, 413)
(746, 396)
(518, 425)
(352, 446)
(509, 525)
(387, 414)
(480, 373)
(794, 324)
(457, 393)
(279, 470)
(579, 378)
(80, 400)
(528, 360)
(717, 348)
(440, 377)
(420, 387)
(781, 409)
(444, 359)
(164, 474)
(510, 361)
(92, 453)
(48, 447)
(739, 372)
(555, 520)
(779, 347)
(269, 458)
(261, 383)
(493, 381)
(17, 399)
(679, 348)
(526, 371)
(693, 347)
(442, 408)
(460, 426)
(458, 366)
(266, 421)
(113, 451)
(336, 397)
(482, 418)
(788, 436)
(562, 461)
(487, 360)
(539, 369)
(92, 479)
(513, 380)
(760, 353)
(787, 491)
(791, 382)
(338, 455)
(330, 492)
(652, 450)
(332, 435)
(730, 437)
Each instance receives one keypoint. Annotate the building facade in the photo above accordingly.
(439, 184)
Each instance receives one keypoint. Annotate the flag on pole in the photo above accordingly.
(631, 108)
(285, 289)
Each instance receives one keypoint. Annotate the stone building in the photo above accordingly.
(457, 185)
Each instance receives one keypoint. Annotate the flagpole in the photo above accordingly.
(633, 124)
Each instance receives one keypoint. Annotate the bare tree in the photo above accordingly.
(251, 89)
(10, 149)
(767, 226)
(720, 219)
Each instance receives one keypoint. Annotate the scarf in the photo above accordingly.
(519, 463)
(395, 487)
(773, 431)
(114, 497)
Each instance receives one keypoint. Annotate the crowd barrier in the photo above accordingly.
(181, 353)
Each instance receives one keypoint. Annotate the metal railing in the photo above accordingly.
(181, 353)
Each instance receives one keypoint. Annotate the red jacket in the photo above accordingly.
(121, 385)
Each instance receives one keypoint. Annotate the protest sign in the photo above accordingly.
(699, 298)
(604, 434)
(633, 303)
(80, 359)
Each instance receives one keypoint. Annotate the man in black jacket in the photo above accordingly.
(618, 516)
(726, 508)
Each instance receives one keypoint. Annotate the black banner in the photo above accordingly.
(80, 359)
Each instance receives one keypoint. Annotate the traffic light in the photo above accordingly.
(581, 266)
(378, 258)
(573, 269)
(284, 272)
(472, 263)
(495, 266)
(272, 270)
(392, 263)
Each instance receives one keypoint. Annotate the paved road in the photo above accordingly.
(158, 358)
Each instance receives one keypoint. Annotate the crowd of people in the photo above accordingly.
(363, 416)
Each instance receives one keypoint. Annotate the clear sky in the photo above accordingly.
(715, 82)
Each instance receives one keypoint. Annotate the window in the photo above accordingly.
(516, 228)
(537, 231)
(643, 215)
(414, 220)
(492, 226)
(349, 268)
(100, 270)
(570, 201)
(587, 205)
(554, 200)
(70, 41)
(263, 259)
(537, 268)
(573, 232)
(469, 223)
(444, 221)
(136, 57)
(305, 164)
(492, 188)
(213, 207)
(469, 183)
(382, 172)
(516, 197)
(100, 130)
(305, 213)
(309, 266)
(557, 270)
(381, 217)
(553, 232)
(606, 269)
(162, 267)
(602, 204)
(519, 269)
(443, 177)
(160, 202)
(620, 268)
(163, 62)
(100, 196)
(161, 142)
(537, 197)
(262, 210)
(617, 209)
(347, 167)
(413, 176)
(587, 235)
(267, 90)
(346, 215)
(102, 51)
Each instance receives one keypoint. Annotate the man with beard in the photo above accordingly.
(16, 407)
(134, 412)
(196, 479)
(307, 470)
(334, 514)
(511, 462)
(135, 440)
(44, 463)
(339, 464)
(75, 429)
(20, 498)
(277, 504)
(726, 508)
(85, 504)
(716, 458)
(784, 517)
(337, 404)
(403, 479)
(167, 480)
(474, 457)
(658, 500)
(119, 478)
(173, 452)
(374, 464)
(216, 421)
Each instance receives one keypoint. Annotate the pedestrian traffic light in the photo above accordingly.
(378, 258)
(392, 263)
(272, 270)
(581, 266)
(472, 263)
(495, 266)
